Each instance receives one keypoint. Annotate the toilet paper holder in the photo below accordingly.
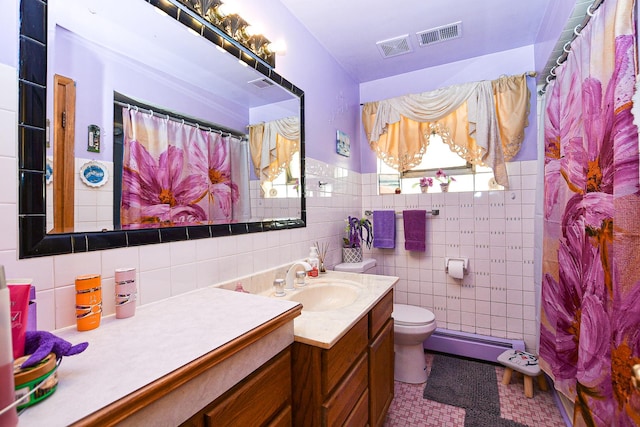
(465, 262)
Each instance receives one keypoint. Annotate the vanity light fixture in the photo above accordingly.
(223, 19)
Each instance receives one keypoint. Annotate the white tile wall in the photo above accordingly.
(495, 230)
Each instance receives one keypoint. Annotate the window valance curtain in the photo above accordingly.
(272, 146)
(481, 121)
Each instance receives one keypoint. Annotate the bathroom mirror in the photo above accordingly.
(218, 90)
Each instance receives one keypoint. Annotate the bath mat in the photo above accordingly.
(467, 384)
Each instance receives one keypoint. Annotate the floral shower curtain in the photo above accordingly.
(177, 174)
(590, 317)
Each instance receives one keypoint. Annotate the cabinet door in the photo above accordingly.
(381, 375)
(257, 400)
(337, 408)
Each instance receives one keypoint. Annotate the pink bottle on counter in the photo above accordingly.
(126, 292)
(8, 417)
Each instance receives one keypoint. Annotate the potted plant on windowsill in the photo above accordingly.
(358, 231)
(424, 184)
(444, 179)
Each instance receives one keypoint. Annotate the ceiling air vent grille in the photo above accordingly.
(440, 34)
(394, 47)
(261, 83)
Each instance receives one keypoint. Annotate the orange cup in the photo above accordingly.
(88, 302)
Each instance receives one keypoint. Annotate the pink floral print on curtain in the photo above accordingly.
(213, 165)
(590, 323)
(174, 174)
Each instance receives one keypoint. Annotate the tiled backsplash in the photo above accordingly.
(495, 230)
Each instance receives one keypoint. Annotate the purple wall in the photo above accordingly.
(488, 67)
(331, 95)
(554, 22)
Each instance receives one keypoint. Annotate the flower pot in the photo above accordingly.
(444, 187)
(352, 255)
(424, 189)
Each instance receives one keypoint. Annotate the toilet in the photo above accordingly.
(412, 326)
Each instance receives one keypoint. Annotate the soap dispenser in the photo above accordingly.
(313, 261)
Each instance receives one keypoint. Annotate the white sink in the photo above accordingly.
(325, 295)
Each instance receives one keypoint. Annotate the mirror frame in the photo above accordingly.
(33, 239)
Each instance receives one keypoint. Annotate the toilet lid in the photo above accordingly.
(410, 315)
(356, 267)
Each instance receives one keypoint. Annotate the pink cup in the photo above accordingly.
(126, 292)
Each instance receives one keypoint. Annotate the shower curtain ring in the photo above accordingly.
(552, 71)
(564, 48)
(589, 11)
(576, 31)
(547, 79)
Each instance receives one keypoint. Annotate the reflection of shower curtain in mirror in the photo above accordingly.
(177, 174)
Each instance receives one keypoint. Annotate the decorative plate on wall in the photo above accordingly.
(94, 174)
(49, 170)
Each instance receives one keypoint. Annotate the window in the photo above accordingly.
(438, 156)
(287, 184)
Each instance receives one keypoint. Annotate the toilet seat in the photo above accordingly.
(410, 315)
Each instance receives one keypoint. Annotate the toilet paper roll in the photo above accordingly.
(456, 268)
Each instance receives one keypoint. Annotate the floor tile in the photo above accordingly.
(410, 409)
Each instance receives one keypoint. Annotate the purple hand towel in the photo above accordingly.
(384, 229)
(415, 230)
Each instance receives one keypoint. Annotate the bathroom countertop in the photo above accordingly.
(125, 356)
(324, 328)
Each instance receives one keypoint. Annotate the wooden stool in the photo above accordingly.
(527, 365)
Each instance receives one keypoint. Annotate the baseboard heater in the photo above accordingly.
(482, 347)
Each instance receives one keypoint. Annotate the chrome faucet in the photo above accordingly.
(292, 271)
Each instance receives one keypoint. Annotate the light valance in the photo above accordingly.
(272, 146)
(472, 118)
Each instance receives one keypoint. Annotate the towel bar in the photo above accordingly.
(433, 212)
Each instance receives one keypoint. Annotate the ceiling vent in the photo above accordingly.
(440, 34)
(261, 83)
(394, 47)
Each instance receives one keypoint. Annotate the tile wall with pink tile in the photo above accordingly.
(495, 230)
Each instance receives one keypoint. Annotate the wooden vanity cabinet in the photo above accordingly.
(381, 360)
(348, 384)
(261, 399)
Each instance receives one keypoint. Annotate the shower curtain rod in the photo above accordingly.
(567, 46)
(166, 116)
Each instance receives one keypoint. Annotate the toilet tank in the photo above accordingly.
(367, 266)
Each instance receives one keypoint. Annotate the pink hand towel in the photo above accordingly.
(415, 230)
(384, 229)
